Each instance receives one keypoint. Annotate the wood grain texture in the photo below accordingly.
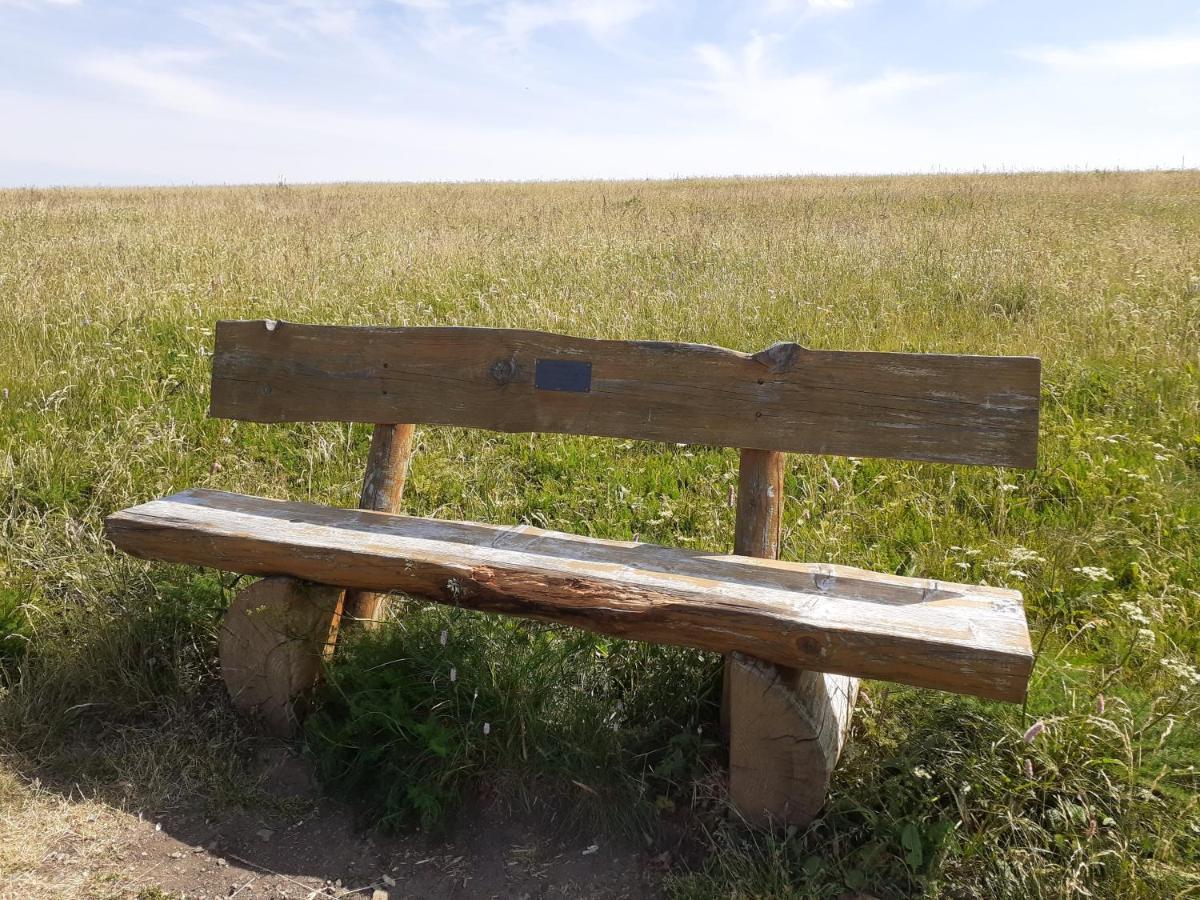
(382, 491)
(786, 726)
(963, 409)
(820, 617)
(787, 730)
(756, 530)
(760, 496)
(270, 647)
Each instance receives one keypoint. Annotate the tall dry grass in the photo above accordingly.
(107, 301)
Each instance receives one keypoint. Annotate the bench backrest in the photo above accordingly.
(940, 408)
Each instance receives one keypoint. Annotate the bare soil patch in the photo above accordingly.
(55, 845)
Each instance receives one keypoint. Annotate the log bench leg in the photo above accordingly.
(271, 644)
(277, 631)
(785, 727)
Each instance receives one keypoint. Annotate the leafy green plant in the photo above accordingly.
(415, 714)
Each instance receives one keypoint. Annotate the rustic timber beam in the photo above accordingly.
(922, 406)
(953, 637)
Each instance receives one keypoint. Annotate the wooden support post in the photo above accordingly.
(786, 727)
(382, 490)
(756, 528)
(270, 648)
(276, 631)
(759, 504)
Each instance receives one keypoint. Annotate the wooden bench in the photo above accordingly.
(798, 636)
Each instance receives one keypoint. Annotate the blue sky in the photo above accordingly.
(133, 92)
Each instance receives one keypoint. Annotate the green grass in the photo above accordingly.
(107, 301)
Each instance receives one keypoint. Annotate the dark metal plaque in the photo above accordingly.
(562, 375)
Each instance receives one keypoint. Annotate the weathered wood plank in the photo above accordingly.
(828, 618)
(964, 409)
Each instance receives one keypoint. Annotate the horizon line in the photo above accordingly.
(649, 179)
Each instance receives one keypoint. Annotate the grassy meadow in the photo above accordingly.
(107, 669)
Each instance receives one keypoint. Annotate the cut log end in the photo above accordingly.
(271, 646)
(787, 730)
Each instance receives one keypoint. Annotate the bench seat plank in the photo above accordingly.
(953, 637)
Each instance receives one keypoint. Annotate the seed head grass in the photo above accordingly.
(107, 305)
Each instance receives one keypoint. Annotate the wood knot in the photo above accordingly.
(503, 371)
(780, 357)
(482, 576)
(808, 647)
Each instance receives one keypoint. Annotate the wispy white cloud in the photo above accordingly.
(473, 29)
(345, 32)
(33, 4)
(449, 89)
(261, 25)
(1166, 52)
(159, 77)
(423, 5)
(752, 85)
(601, 18)
(810, 7)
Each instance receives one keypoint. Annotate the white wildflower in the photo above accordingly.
(1188, 674)
(487, 728)
(443, 637)
(1094, 573)
(1025, 555)
(453, 675)
(1134, 613)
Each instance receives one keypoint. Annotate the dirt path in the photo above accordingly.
(53, 845)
